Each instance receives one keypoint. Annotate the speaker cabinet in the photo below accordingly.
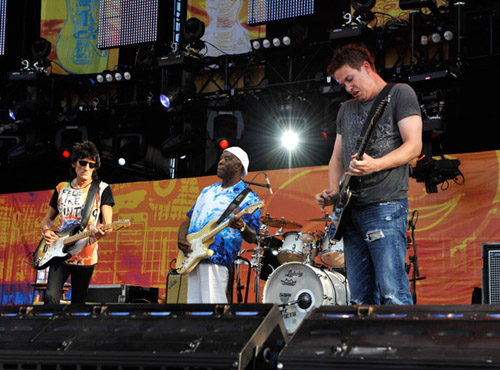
(121, 293)
(491, 272)
(396, 337)
(139, 336)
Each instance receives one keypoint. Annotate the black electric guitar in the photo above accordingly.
(346, 184)
(64, 247)
(201, 240)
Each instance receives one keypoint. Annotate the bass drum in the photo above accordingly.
(299, 287)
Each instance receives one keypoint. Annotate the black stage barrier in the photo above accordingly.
(140, 336)
(396, 337)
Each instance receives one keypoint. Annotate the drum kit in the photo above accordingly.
(302, 269)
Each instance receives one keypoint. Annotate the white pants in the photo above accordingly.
(207, 283)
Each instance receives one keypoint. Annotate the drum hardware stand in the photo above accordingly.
(240, 260)
(256, 263)
(413, 259)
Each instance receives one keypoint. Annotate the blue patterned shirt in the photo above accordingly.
(210, 205)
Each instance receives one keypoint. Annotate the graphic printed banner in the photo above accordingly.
(450, 228)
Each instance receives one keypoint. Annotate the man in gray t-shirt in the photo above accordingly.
(374, 234)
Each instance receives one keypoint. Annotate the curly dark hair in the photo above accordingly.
(353, 55)
(86, 149)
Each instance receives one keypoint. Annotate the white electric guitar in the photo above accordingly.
(201, 240)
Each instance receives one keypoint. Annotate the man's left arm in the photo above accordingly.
(246, 229)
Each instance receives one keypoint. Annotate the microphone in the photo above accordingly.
(268, 184)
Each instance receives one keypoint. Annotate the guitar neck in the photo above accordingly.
(223, 225)
(74, 238)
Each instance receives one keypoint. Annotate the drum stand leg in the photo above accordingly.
(256, 258)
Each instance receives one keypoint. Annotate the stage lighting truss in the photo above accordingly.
(270, 43)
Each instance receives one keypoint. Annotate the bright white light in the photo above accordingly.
(290, 140)
(266, 43)
(286, 40)
(276, 42)
(121, 161)
(256, 45)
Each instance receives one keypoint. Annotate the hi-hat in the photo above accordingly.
(280, 222)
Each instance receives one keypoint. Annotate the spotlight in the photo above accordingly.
(276, 42)
(109, 77)
(100, 78)
(290, 140)
(118, 76)
(266, 43)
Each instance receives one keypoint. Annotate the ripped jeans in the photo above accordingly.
(375, 250)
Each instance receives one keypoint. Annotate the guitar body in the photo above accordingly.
(199, 248)
(67, 244)
(201, 240)
(339, 213)
(44, 254)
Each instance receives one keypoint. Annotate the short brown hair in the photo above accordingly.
(353, 55)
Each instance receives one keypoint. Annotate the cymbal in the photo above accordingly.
(322, 219)
(280, 222)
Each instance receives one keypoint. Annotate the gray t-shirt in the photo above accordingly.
(387, 185)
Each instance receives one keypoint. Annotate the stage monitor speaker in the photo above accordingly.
(121, 293)
(140, 336)
(491, 272)
(396, 337)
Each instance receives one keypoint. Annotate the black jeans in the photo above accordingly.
(59, 272)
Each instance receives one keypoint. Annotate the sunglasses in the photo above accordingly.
(85, 163)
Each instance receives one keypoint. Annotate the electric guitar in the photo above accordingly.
(64, 246)
(346, 183)
(201, 240)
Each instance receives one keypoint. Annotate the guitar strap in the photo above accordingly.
(235, 203)
(94, 187)
(381, 95)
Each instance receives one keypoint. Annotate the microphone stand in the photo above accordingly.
(414, 259)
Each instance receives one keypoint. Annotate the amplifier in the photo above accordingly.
(121, 293)
(491, 272)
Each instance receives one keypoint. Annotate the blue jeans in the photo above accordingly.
(375, 250)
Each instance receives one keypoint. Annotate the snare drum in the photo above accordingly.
(299, 287)
(332, 253)
(294, 249)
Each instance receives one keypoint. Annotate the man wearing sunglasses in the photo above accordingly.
(69, 201)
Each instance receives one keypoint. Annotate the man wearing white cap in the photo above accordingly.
(207, 283)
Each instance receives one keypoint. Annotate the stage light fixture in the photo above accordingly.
(67, 136)
(225, 128)
(192, 32)
(128, 148)
(276, 42)
(362, 10)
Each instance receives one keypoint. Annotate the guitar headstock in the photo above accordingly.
(120, 224)
(253, 207)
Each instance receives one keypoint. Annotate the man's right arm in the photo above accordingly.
(335, 172)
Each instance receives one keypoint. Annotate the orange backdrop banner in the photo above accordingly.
(450, 228)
